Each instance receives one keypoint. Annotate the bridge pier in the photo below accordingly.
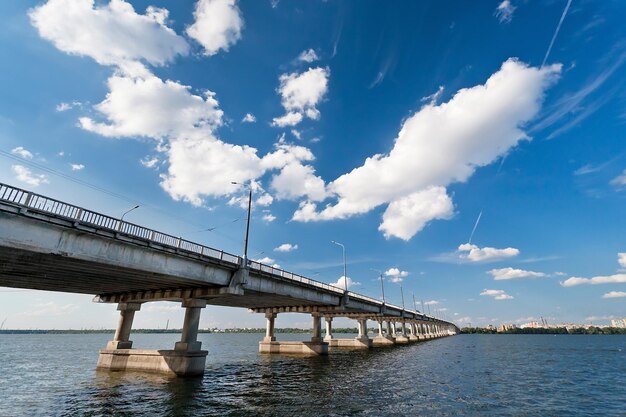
(402, 338)
(329, 329)
(185, 360)
(412, 336)
(381, 339)
(317, 346)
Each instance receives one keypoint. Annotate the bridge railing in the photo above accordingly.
(43, 204)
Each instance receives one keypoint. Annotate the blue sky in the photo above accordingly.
(391, 128)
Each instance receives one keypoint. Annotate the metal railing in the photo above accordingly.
(46, 205)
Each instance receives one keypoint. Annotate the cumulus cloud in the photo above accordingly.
(266, 260)
(248, 118)
(504, 11)
(620, 180)
(431, 303)
(300, 94)
(511, 273)
(61, 107)
(439, 145)
(497, 294)
(341, 283)
(25, 175)
(621, 259)
(149, 161)
(77, 167)
(286, 247)
(308, 55)
(614, 294)
(477, 254)
(22, 152)
(396, 275)
(150, 107)
(112, 33)
(268, 217)
(217, 25)
(607, 279)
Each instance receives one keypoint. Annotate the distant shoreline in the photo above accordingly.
(541, 330)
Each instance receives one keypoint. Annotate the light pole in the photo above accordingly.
(402, 295)
(382, 286)
(245, 242)
(345, 276)
(414, 303)
(119, 227)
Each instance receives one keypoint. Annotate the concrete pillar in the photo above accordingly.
(121, 340)
(404, 328)
(329, 329)
(317, 328)
(390, 333)
(269, 329)
(412, 328)
(393, 329)
(362, 329)
(189, 337)
(380, 328)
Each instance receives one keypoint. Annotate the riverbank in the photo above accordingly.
(555, 330)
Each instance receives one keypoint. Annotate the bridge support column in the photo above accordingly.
(315, 347)
(185, 360)
(363, 339)
(121, 340)
(189, 337)
(402, 338)
(329, 329)
(269, 329)
(381, 339)
(412, 336)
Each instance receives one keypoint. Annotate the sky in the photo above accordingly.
(473, 153)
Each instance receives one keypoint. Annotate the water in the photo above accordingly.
(480, 375)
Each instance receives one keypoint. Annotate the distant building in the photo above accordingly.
(531, 325)
(504, 327)
(621, 323)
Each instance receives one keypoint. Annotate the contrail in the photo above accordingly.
(475, 226)
(556, 32)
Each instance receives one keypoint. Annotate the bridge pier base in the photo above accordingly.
(185, 360)
(413, 334)
(315, 347)
(381, 339)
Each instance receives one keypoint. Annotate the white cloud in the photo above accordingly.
(217, 25)
(61, 107)
(22, 152)
(477, 254)
(112, 33)
(614, 294)
(437, 146)
(296, 134)
(149, 161)
(497, 294)
(77, 167)
(620, 180)
(396, 275)
(560, 274)
(600, 318)
(408, 215)
(268, 217)
(150, 107)
(248, 118)
(289, 119)
(267, 260)
(341, 283)
(264, 200)
(504, 11)
(608, 279)
(434, 97)
(621, 259)
(297, 180)
(25, 175)
(308, 55)
(431, 303)
(300, 94)
(511, 273)
(286, 247)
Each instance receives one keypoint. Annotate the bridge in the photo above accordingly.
(46, 244)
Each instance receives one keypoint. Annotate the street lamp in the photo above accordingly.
(119, 226)
(382, 286)
(345, 276)
(414, 303)
(245, 242)
(402, 295)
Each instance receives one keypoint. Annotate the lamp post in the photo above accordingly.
(345, 276)
(402, 295)
(382, 286)
(119, 226)
(245, 242)
(414, 303)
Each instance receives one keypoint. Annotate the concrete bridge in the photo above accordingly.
(46, 244)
